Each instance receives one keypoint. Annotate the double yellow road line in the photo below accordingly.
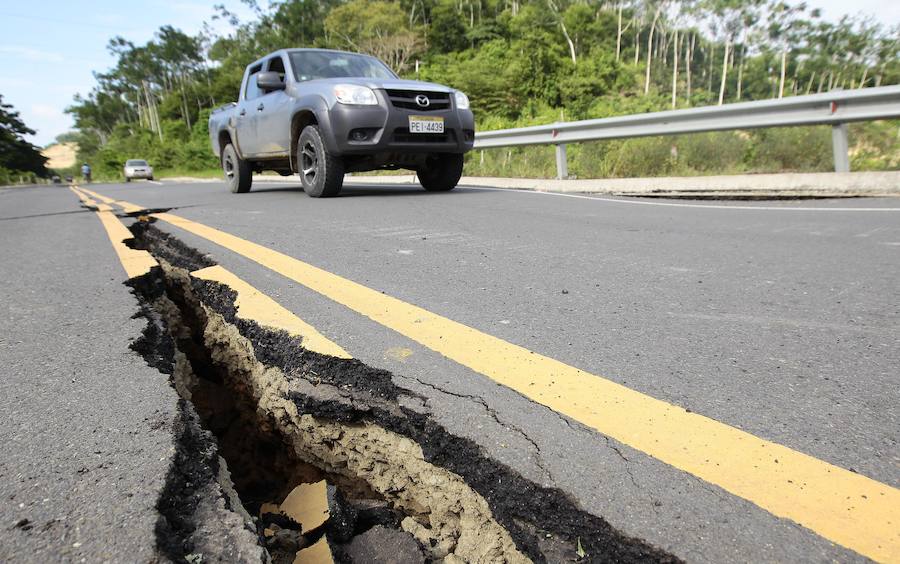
(136, 263)
(845, 507)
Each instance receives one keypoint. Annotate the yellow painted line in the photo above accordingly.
(255, 306)
(126, 206)
(847, 508)
(86, 200)
(251, 304)
(135, 262)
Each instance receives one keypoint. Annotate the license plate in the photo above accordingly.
(426, 124)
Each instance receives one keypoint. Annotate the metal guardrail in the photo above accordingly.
(835, 108)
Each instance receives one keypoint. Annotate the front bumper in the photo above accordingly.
(138, 174)
(387, 130)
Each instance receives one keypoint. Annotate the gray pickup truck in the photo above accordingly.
(322, 113)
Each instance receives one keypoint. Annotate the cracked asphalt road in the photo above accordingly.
(85, 425)
(780, 323)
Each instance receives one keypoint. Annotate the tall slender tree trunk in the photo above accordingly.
(619, 35)
(140, 110)
(812, 77)
(150, 123)
(650, 52)
(568, 40)
(740, 81)
(675, 54)
(709, 71)
(187, 113)
(724, 72)
(553, 8)
(783, 65)
(153, 114)
(637, 44)
(688, 59)
(212, 99)
(865, 75)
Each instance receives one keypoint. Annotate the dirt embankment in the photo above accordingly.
(61, 155)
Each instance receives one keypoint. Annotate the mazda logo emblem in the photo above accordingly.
(423, 100)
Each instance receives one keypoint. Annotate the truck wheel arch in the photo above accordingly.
(303, 118)
(300, 120)
(225, 139)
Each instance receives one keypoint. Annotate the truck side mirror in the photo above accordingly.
(269, 81)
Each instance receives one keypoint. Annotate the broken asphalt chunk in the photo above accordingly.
(380, 545)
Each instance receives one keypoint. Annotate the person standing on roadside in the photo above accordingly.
(86, 172)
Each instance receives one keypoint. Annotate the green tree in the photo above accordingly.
(17, 154)
(521, 62)
(375, 27)
(447, 29)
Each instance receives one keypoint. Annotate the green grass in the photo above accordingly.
(875, 146)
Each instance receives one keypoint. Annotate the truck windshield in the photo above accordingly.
(310, 65)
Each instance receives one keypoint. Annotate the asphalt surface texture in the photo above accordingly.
(85, 425)
(781, 319)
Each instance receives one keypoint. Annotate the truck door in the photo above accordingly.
(246, 121)
(273, 115)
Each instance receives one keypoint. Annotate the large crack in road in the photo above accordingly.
(261, 415)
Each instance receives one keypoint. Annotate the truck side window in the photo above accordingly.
(252, 91)
(276, 64)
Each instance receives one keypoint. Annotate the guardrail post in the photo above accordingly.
(841, 146)
(562, 167)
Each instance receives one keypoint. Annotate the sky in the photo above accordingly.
(49, 49)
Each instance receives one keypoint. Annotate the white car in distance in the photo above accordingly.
(138, 168)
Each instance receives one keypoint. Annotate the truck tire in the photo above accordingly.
(321, 173)
(441, 172)
(237, 171)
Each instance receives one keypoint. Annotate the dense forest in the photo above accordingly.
(19, 159)
(522, 62)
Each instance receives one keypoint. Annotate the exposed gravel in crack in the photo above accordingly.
(199, 520)
(199, 517)
(544, 523)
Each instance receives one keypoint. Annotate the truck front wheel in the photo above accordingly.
(441, 172)
(237, 171)
(321, 173)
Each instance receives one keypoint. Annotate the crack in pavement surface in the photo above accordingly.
(706, 513)
(515, 502)
(643, 458)
(495, 416)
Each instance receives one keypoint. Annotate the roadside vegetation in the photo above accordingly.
(20, 161)
(522, 63)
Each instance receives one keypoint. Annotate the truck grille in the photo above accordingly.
(402, 135)
(406, 99)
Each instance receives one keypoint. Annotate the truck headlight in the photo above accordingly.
(353, 94)
(462, 101)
